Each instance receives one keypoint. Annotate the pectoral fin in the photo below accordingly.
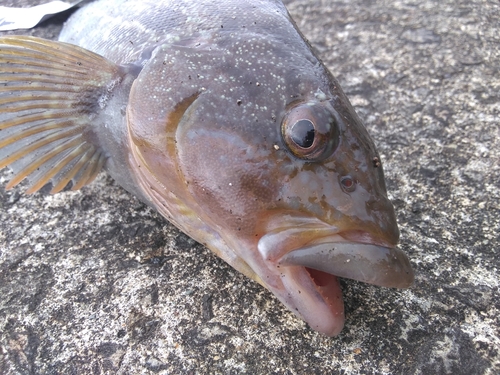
(50, 93)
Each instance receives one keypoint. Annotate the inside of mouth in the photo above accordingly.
(328, 286)
(320, 278)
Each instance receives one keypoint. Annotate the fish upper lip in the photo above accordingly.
(369, 263)
(354, 237)
(352, 254)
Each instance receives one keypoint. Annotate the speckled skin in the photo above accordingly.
(197, 134)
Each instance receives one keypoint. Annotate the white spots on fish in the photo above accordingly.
(320, 95)
(106, 95)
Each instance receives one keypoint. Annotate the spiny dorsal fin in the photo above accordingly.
(49, 93)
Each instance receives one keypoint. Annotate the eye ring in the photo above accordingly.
(348, 184)
(310, 132)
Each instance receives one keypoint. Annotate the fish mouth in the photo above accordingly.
(383, 266)
(311, 257)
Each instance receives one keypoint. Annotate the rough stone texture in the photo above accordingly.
(93, 282)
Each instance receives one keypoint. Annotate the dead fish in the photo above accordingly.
(220, 116)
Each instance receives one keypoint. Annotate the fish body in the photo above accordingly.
(220, 116)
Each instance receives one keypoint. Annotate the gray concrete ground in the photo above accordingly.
(93, 282)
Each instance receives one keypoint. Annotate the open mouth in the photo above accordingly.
(311, 258)
(372, 264)
(354, 254)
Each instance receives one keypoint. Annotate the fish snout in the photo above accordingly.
(305, 259)
(355, 255)
(372, 264)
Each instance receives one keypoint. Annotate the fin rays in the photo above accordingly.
(49, 95)
(28, 149)
(28, 131)
(19, 47)
(29, 118)
(30, 168)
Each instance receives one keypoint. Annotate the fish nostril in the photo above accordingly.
(348, 184)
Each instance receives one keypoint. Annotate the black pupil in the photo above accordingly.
(302, 133)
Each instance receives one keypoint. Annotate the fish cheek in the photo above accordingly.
(228, 177)
(314, 191)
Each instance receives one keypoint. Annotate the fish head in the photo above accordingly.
(264, 160)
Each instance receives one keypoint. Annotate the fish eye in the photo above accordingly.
(302, 133)
(310, 132)
(348, 184)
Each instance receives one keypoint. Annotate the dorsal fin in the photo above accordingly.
(49, 94)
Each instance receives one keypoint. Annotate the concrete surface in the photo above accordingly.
(93, 282)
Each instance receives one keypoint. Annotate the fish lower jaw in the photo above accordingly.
(310, 277)
(315, 297)
(328, 286)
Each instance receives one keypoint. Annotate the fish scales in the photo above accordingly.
(220, 116)
(122, 30)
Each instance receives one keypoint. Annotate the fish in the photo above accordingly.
(220, 116)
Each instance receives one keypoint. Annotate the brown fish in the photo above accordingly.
(220, 116)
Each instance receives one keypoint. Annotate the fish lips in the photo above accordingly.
(372, 264)
(309, 272)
